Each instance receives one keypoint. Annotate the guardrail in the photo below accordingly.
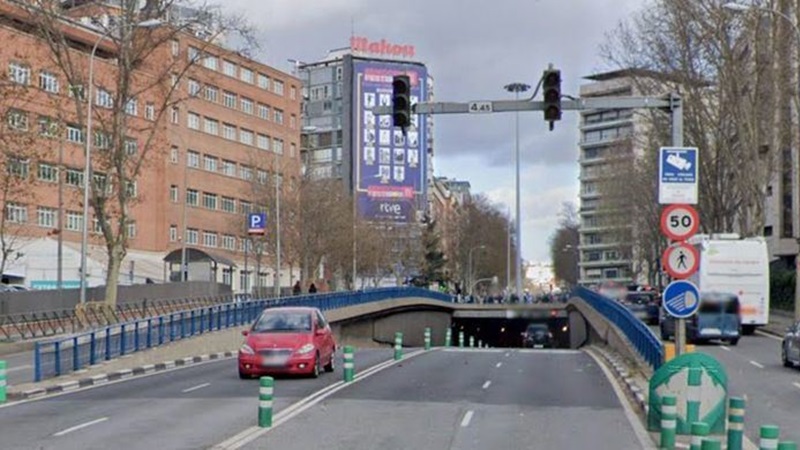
(60, 356)
(644, 341)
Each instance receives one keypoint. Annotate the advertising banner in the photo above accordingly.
(389, 166)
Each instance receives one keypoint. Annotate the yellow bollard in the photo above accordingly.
(669, 350)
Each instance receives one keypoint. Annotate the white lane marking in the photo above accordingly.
(194, 388)
(487, 384)
(771, 336)
(727, 349)
(14, 369)
(797, 385)
(757, 364)
(508, 354)
(498, 365)
(467, 418)
(78, 427)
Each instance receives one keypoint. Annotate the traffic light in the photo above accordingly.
(401, 101)
(551, 87)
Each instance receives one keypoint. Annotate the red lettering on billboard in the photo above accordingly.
(360, 44)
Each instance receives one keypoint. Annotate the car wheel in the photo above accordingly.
(244, 375)
(316, 370)
(331, 366)
(785, 357)
(733, 341)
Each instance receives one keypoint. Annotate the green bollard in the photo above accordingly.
(736, 423)
(461, 339)
(699, 430)
(480, 343)
(711, 444)
(472, 342)
(398, 346)
(265, 392)
(349, 365)
(693, 396)
(3, 383)
(669, 421)
(768, 437)
(787, 445)
(447, 337)
(427, 338)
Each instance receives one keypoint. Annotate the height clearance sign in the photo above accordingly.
(677, 175)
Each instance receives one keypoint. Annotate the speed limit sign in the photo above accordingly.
(679, 222)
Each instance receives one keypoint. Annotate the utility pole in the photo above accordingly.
(517, 88)
(277, 229)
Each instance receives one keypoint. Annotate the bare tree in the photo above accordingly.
(564, 246)
(145, 70)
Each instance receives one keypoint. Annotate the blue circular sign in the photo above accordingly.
(681, 299)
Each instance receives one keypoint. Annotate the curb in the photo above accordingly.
(621, 371)
(103, 378)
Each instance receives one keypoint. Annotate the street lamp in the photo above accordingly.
(738, 7)
(477, 247)
(87, 171)
(516, 88)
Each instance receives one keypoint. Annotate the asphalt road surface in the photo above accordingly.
(19, 367)
(189, 408)
(470, 399)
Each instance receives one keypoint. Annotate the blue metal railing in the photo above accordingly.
(67, 354)
(646, 343)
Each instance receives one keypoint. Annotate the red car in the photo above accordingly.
(288, 340)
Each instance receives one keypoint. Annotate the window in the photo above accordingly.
(194, 121)
(101, 182)
(263, 81)
(76, 90)
(173, 193)
(209, 200)
(246, 173)
(246, 137)
(262, 176)
(46, 217)
(74, 134)
(247, 106)
(229, 242)
(103, 99)
(245, 207)
(193, 159)
(211, 126)
(263, 141)
(16, 213)
(293, 121)
(19, 74)
(229, 68)
(193, 54)
(131, 146)
(191, 236)
(293, 93)
(130, 107)
(18, 167)
(150, 111)
(278, 116)
(173, 233)
(277, 87)
(48, 82)
(229, 99)
(768, 231)
(132, 229)
(212, 94)
(210, 163)
(176, 47)
(74, 177)
(74, 221)
(48, 127)
(47, 173)
(228, 131)
(277, 146)
(263, 111)
(769, 191)
(191, 197)
(292, 150)
(210, 62)
(131, 189)
(209, 239)
(246, 75)
(193, 87)
(228, 204)
(175, 115)
(229, 168)
(102, 140)
(17, 120)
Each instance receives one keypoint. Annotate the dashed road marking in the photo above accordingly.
(467, 417)
(797, 385)
(194, 388)
(78, 427)
(487, 384)
(726, 348)
(757, 364)
(498, 365)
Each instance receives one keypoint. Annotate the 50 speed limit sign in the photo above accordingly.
(679, 222)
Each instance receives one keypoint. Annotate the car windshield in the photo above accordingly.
(283, 321)
(537, 328)
(638, 299)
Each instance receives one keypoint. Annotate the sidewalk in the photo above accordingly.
(779, 321)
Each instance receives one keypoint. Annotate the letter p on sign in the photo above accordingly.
(256, 223)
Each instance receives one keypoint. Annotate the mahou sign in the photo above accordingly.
(360, 44)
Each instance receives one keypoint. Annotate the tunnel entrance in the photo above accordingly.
(508, 332)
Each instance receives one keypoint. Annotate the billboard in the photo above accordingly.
(389, 166)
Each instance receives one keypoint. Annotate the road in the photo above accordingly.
(189, 408)
(472, 399)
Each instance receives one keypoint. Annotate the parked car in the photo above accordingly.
(644, 305)
(790, 347)
(719, 317)
(288, 340)
(537, 335)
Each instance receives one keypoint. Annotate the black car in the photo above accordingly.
(643, 305)
(537, 335)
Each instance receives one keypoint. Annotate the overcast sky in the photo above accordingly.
(472, 48)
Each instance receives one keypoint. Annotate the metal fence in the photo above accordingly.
(646, 343)
(64, 355)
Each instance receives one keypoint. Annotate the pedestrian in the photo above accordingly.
(297, 289)
(312, 289)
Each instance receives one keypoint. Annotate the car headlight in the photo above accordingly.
(246, 349)
(305, 349)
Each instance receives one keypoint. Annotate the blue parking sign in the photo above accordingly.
(678, 175)
(681, 299)
(256, 223)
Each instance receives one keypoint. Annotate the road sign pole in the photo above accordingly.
(680, 337)
(677, 140)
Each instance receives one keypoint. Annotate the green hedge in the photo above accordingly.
(781, 289)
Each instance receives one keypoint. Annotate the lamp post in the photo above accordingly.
(87, 171)
(516, 88)
(469, 260)
(738, 7)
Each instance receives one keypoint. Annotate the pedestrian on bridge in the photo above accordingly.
(297, 289)
(312, 289)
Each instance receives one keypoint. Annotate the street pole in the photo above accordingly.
(508, 253)
(516, 88)
(469, 261)
(277, 229)
(676, 110)
(60, 269)
(184, 268)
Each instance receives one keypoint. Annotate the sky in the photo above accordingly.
(472, 49)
